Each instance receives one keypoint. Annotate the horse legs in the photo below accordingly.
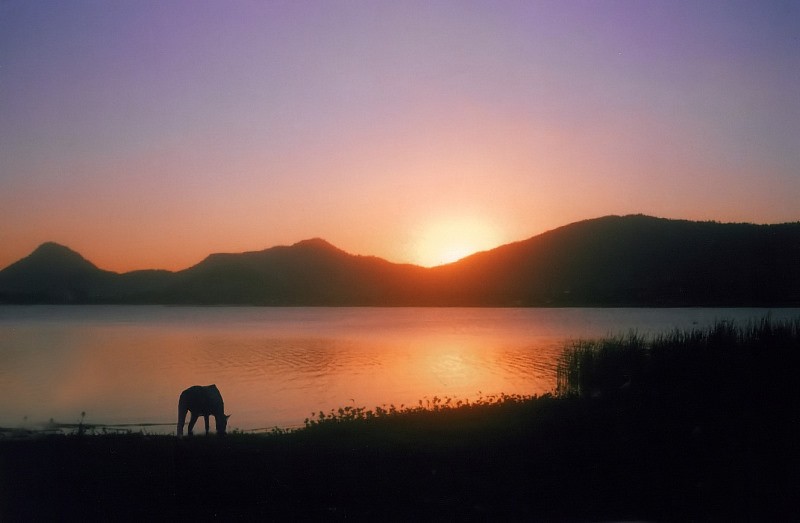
(192, 421)
(206, 420)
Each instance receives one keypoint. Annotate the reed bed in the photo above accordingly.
(759, 356)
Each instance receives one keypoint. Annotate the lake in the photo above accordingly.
(275, 366)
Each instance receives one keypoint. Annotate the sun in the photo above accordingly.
(450, 239)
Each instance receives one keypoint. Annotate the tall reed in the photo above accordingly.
(758, 355)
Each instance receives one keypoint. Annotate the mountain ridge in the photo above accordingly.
(633, 260)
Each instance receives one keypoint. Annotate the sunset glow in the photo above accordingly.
(150, 134)
(451, 239)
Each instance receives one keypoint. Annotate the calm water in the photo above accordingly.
(275, 366)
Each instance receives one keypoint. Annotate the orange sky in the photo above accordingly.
(149, 136)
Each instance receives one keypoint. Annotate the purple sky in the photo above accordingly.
(147, 134)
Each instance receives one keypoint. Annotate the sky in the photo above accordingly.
(151, 133)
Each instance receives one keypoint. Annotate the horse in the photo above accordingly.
(202, 401)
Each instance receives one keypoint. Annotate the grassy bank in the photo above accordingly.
(700, 424)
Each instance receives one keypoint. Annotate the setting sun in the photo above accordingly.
(449, 240)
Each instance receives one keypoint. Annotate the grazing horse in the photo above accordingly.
(202, 401)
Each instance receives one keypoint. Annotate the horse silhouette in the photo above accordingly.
(202, 401)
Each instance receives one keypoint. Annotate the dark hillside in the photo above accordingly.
(311, 272)
(610, 261)
(52, 274)
(637, 261)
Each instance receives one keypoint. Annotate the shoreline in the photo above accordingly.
(698, 424)
(543, 458)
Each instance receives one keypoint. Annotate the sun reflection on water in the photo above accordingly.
(276, 366)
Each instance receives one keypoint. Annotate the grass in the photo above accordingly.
(688, 425)
(721, 359)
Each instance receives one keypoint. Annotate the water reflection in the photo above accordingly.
(276, 366)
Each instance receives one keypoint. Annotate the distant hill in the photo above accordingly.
(311, 272)
(637, 261)
(51, 274)
(611, 261)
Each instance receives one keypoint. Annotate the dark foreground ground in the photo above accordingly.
(693, 426)
(545, 459)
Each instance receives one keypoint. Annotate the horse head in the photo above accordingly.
(222, 423)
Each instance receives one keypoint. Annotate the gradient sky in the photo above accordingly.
(148, 134)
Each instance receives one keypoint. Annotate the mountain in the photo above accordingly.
(610, 261)
(51, 274)
(638, 261)
(311, 272)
